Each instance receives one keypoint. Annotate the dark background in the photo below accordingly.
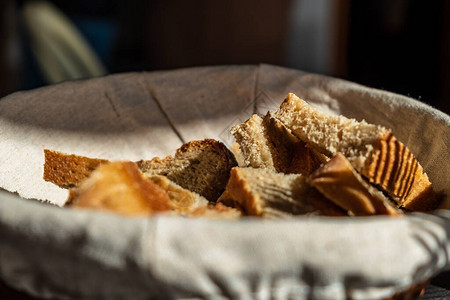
(396, 45)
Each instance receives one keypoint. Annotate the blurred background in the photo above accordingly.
(401, 46)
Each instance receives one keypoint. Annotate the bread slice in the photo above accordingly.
(237, 152)
(338, 181)
(263, 192)
(202, 167)
(267, 143)
(253, 143)
(68, 170)
(371, 149)
(183, 200)
(119, 187)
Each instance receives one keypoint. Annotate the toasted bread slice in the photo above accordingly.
(267, 143)
(371, 149)
(262, 192)
(119, 187)
(340, 183)
(199, 166)
(68, 170)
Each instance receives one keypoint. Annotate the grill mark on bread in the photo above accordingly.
(400, 150)
(404, 167)
(382, 162)
(390, 160)
(411, 179)
(405, 177)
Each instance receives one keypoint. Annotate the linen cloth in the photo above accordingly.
(64, 253)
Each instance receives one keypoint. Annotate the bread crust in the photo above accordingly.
(68, 170)
(119, 187)
(339, 182)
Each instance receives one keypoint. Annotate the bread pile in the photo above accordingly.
(295, 161)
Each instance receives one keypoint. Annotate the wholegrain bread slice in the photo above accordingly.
(263, 192)
(119, 187)
(202, 167)
(267, 143)
(371, 149)
(338, 181)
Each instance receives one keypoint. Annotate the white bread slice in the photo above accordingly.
(267, 143)
(340, 183)
(253, 143)
(263, 192)
(371, 149)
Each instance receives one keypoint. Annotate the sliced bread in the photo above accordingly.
(371, 149)
(263, 192)
(253, 143)
(202, 167)
(267, 143)
(338, 181)
(199, 166)
(68, 170)
(119, 187)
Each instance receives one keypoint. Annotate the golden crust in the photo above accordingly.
(395, 169)
(68, 170)
(119, 187)
(339, 182)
